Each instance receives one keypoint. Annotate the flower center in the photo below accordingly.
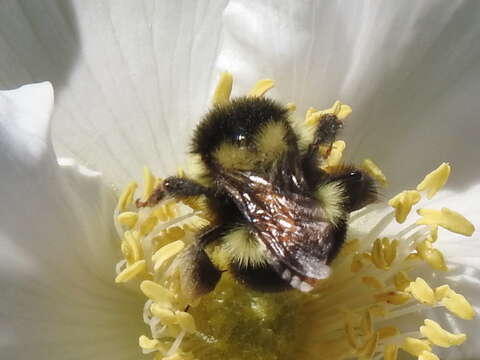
(358, 312)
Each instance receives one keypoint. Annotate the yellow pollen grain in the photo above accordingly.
(401, 280)
(291, 107)
(390, 352)
(126, 196)
(455, 303)
(421, 291)
(372, 282)
(427, 355)
(447, 219)
(131, 272)
(185, 321)
(148, 183)
(128, 219)
(440, 337)
(415, 346)
(222, 91)
(393, 297)
(403, 202)
(261, 87)
(374, 171)
(435, 180)
(156, 292)
(166, 252)
(387, 331)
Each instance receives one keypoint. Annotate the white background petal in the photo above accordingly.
(58, 299)
(133, 76)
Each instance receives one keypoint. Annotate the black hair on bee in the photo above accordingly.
(279, 218)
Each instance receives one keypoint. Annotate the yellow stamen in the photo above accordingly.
(166, 252)
(223, 89)
(126, 197)
(130, 247)
(403, 203)
(372, 282)
(440, 337)
(393, 297)
(186, 321)
(390, 352)
(401, 281)
(435, 180)
(148, 183)
(366, 323)
(368, 349)
(427, 355)
(149, 344)
(341, 111)
(387, 331)
(415, 346)
(291, 107)
(447, 219)
(431, 256)
(374, 171)
(261, 87)
(148, 224)
(128, 219)
(156, 292)
(165, 315)
(421, 291)
(131, 271)
(349, 330)
(455, 303)
(433, 236)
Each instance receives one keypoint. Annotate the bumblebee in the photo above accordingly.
(278, 217)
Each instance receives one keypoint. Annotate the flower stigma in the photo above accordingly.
(359, 312)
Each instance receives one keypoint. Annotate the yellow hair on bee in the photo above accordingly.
(242, 247)
(270, 140)
(231, 156)
(196, 170)
(331, 197)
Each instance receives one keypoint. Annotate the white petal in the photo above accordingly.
(58, 249)
(133, 76)
(409, 69)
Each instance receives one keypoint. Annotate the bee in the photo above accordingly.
(279, 218)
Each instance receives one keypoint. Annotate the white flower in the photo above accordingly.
(132, 79)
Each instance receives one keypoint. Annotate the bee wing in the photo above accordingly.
(292, 227)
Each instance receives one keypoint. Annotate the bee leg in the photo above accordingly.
(174, 186)
(198, 274)
(327, 130)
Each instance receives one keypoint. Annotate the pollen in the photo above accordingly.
(403, 203)
(446, 218)
(371, 307)
(435, 180)
(374, 171)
